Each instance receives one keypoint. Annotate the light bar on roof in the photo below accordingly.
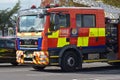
(30, 12)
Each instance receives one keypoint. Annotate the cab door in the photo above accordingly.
(59, 29)
(88, 33)
(91, 32)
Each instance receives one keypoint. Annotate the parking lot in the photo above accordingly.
(92, 71)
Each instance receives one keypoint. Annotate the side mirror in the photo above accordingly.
(46, 12)
(107, 20)
(41, 15)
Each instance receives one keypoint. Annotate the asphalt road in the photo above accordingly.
(91, 71)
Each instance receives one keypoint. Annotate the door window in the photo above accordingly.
(59, 20)
(85, 20)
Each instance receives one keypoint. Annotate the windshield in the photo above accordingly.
(31, 23)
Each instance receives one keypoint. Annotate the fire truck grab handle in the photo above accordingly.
(96, 38)
(48, 33)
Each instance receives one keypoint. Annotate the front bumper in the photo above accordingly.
(23, 58)
(41, 58)
(37, 57)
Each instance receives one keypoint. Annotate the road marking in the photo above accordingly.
(74, 79)
(13, 70)
(93, 79)
(96, 79)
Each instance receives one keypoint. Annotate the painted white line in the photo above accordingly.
(74, 79)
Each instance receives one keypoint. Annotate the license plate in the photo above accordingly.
(29, 56)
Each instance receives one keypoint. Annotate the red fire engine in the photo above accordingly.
(72, 36)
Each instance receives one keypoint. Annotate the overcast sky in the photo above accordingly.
(25, 4)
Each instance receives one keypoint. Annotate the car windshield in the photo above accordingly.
(31, 23)
(5, 43)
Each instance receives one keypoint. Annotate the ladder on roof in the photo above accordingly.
(110, 11)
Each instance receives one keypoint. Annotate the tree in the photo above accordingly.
(112, 2)
(5, 17)
(71, 3)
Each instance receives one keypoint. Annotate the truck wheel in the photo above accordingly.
(39, 68)
(69, 61)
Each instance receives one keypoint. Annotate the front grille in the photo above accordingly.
(28, 46)
(28, 59)
(28, 42)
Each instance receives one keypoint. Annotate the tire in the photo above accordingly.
(14, 63)
(70, 61)
(39, 68)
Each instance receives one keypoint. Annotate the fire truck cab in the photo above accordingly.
(30, 24)
(75, 35)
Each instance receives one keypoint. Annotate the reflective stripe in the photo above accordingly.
(99, 60)
(46, 60)
(18, 57)
(62, 42)
(93, 32)
(101, 32)
(34, 60)
(82, 41)
(29, 34)
(111, 61)
(54, 35)
(41, 60)
(96, 32)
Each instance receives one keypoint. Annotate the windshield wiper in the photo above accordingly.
(31, 29)
(38, 30)
(23, 31)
